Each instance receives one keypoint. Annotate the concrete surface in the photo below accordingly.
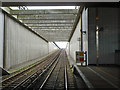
(1, 38)
(108, 38)
(85, 29)
(74, 43)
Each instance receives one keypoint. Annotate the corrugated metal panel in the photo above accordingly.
(21, 44)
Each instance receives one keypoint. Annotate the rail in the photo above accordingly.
(41, 87)
(7, 82)
(24, 82)
(66, 81)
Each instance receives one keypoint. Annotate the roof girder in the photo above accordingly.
(51, 27)
(37, 25)
(48, 21)
(48, 18)
(47, 15)
(48, 11)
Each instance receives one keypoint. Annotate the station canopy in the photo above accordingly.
(54, 23)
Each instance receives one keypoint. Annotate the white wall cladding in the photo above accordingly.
(21, 44)
(68, 48)
(91, 37)
(85, 28)
(108, 38)
(1, 37)
(74, 43)
(52, 47)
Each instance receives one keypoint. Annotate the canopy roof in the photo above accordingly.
(51, 24)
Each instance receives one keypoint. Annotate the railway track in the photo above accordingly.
(55, 76)
(14, 81)
(55, 73)
(59, 76)
(55, 79)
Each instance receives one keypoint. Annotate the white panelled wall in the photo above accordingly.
(1, 37)
(21, 45)
(74, 43)
(85, 29)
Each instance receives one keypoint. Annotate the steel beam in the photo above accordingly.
(32, 24)
(48, 21)
(47, 26)
(47, 11)
(53, 26)
(52, 29)
(57, 31)
(47, 18)
(37, 25)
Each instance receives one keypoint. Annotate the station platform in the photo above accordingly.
(102, 76)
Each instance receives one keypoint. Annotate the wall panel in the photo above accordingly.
(1, 37)
(21, 44)
(74, 43)
(85, 30)
(91, 36)
(108, 38)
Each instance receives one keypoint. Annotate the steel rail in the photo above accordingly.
(22, 72)
(44, 71)
(41, 87)
(65, 72)
(25, 81)
(57, 75)
(66, 81)
(17, 73)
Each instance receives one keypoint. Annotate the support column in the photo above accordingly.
(97, 38)
(1, 35)
(81, 35)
